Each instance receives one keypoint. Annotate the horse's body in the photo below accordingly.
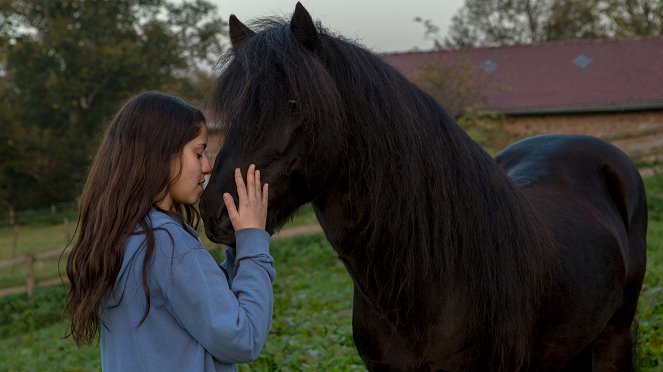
(533, 261)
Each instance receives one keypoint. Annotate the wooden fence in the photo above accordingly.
(29, 261)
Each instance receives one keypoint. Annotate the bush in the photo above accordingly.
(20, 313)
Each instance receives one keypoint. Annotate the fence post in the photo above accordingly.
(12, 218)
(14, 240)
(67, 232)
(30, 274)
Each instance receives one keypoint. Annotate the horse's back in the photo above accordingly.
(591, 196)
(578, 166)
(585, 174)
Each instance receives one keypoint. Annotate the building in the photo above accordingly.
(610, 88)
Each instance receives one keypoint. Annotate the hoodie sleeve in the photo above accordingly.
(231, 321)
(228, 265)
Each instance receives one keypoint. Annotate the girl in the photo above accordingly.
(139, 274)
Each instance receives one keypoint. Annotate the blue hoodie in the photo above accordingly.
(202, 317)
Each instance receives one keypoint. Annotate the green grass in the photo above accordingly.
(650, 306)
(24, 240)
(312, 317)
(311, 329)
(46, 350)
(30, 239)
(312, 312)
(43, 270)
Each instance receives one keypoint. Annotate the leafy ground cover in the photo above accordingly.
(312, 318)
(311, 328)
(650, 306)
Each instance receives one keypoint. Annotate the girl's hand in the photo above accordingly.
(252, 201)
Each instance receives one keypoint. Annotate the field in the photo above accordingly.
(312, 319)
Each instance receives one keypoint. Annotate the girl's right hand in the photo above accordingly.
(253, 197)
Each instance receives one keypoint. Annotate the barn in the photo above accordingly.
(610, 88)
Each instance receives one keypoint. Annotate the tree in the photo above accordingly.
(500, 22)
(66, 66)
(457, 85)
(491, 22)
(571, 19)
(635, 17)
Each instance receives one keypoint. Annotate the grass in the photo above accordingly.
(29, 239)
(45, 350)
(312, 312)
(22, 240)
(311, 329)
(650, 306)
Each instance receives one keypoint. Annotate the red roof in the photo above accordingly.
(566, 76)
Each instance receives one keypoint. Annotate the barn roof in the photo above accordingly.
(558, 77)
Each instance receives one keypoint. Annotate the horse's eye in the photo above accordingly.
(292, 105)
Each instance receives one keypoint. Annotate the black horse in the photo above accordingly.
(530, 262)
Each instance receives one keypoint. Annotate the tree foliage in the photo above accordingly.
(500, 22)
(66, 67)
(635, 17)
(457, 85)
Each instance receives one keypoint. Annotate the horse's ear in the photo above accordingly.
(239, 33)
(302, 26)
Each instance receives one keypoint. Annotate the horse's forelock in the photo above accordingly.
(271, 76)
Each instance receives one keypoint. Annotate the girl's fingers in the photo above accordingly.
(265, 194)
(230, 206)
(241, 187)
(251, 183)
(258, 191)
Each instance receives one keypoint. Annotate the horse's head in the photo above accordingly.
(282, 112)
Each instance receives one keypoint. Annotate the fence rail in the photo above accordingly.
(29, 261)
(30, 281)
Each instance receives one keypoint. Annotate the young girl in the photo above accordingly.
(139, 274)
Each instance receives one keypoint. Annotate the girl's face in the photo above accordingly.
(195, 165)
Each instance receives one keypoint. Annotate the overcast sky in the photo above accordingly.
(383, 26)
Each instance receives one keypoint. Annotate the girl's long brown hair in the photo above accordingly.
(130, 174)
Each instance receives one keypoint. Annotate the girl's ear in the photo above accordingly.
(239, 33)
(302, 26)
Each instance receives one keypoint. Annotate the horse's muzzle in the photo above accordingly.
(219, 230)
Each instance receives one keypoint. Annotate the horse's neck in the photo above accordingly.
(344, 222)
(335, 214)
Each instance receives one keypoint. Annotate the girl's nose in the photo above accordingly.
(207, 168)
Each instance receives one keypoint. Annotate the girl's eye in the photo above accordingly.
(199, 155)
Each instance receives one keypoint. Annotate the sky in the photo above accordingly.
(383, 26)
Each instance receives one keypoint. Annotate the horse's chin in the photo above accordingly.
(220, 232)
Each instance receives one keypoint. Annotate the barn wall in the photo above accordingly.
(639, 134)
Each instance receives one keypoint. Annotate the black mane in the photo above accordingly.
(433, 202)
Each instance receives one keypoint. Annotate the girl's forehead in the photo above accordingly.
(201, 138)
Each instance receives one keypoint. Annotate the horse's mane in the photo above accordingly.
(438, 214)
